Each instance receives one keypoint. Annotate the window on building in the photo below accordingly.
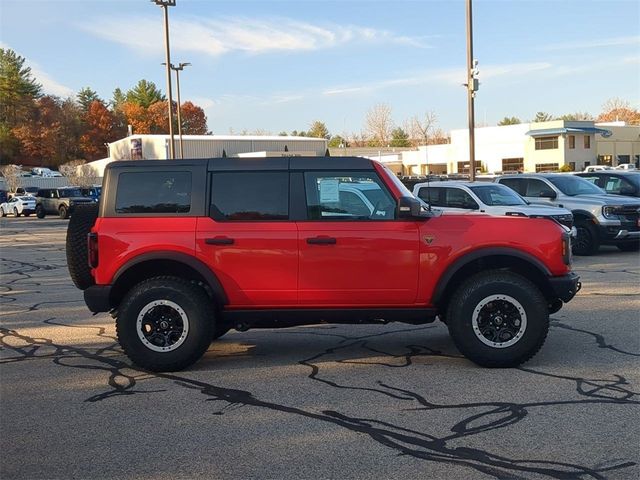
(546, 143)
(605, 159)
(464, 167)
(154, 192)
(587, 141)
(513, 164)
(624, 159)
(247, 196)
(572, 142)
(572, 166)
(547, 167)
(586, 164)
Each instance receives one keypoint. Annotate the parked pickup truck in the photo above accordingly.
(600, 218)
(182, 251)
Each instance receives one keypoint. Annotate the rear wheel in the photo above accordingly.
(165, 323)
(498, 319)
(63, 211)
(15, 212)
(586, 241)
(40, 213)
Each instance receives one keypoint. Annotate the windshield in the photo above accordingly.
(572, 186)
(70, 192)
(497, 195)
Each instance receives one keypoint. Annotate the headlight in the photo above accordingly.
(609, 211)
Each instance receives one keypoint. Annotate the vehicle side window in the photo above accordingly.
(433, 196)
(154, 192)
(250, 196)
(612, 185)
(535, 187)
(457, 198)
(328, 196)
(516, 184)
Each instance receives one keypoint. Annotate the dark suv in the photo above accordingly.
(59, 201)
(182, 251)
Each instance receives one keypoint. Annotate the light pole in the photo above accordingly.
(164, 4)
(178, 69)
(472, 88)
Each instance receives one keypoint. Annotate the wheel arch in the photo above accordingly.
(163, 263)
(491, 259)
(583, 215)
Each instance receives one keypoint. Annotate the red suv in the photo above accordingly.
(182, 251)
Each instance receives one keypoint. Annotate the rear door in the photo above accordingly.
(351, 255)
(248, 239)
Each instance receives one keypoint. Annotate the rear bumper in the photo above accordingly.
(565, 287)
(97, 298)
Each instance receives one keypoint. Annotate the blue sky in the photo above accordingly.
(279, 65)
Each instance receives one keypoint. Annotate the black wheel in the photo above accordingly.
(2, 212)
(83, 218)
(498, 319)
(15, 212)
(629, 247)
(63, 212)
(586, 241)
(165, 324)
(40, 213)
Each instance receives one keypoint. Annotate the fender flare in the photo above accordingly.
(199, 266)
(461, 262)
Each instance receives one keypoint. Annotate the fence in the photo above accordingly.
(46, 182)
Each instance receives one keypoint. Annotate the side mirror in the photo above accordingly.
(411, 207)
(548, 193)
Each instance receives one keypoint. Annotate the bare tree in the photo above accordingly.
(78, 173)
(421, 128)
(379, 124)
(615, 103)
(11, 174)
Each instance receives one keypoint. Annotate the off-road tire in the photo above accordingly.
(629, 247)
(586, 241)
(40, 213)
(194, 303)
(84, 216)
(63, 212)
(471, 295)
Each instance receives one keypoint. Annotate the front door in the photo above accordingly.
(353, 251)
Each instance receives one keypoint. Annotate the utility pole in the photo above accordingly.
(165, 4)
(472, 87)
(178, 69)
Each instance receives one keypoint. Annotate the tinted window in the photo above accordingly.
(433, 196)
(458, 198)
(246, 196)
(347, 196)
(154, 192)
(572, 185)
(516, 184)
(70, 192)
(535, 188)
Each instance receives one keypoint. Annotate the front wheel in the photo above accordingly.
(498, 319)
(63, 212)
(40, 213)
(2, 212)
(15, 212)
(165, 324)
(586, 241)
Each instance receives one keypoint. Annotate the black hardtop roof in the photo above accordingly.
(254, 163)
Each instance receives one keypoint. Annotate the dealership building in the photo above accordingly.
(526, 147)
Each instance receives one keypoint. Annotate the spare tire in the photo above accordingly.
(83, 218)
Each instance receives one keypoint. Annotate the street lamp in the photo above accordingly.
(178, 69)
(164, 4)
(472, 88)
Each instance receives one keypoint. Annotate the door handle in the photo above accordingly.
(219, 241)
(321, 241)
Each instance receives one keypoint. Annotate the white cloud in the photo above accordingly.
(593, 43)
(217, 37)
(49, 85)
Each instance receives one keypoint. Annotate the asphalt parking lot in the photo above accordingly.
(348, 402)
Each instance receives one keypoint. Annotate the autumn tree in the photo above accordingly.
(40, 136)
(194, 121)
(145, 93)
(100, 128)
(136, 116)
(509, 121)
(421, 128)
(318, 129)
(378, 124)
(617, 109)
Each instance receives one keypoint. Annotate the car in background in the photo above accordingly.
(45, 172)
(600, 218)
(93, 192)
(627, 166)
(490, 198)
(4, 196)
(617, 182)
(59, 201)
(20, 191)
(597, 168)
(18, 205)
